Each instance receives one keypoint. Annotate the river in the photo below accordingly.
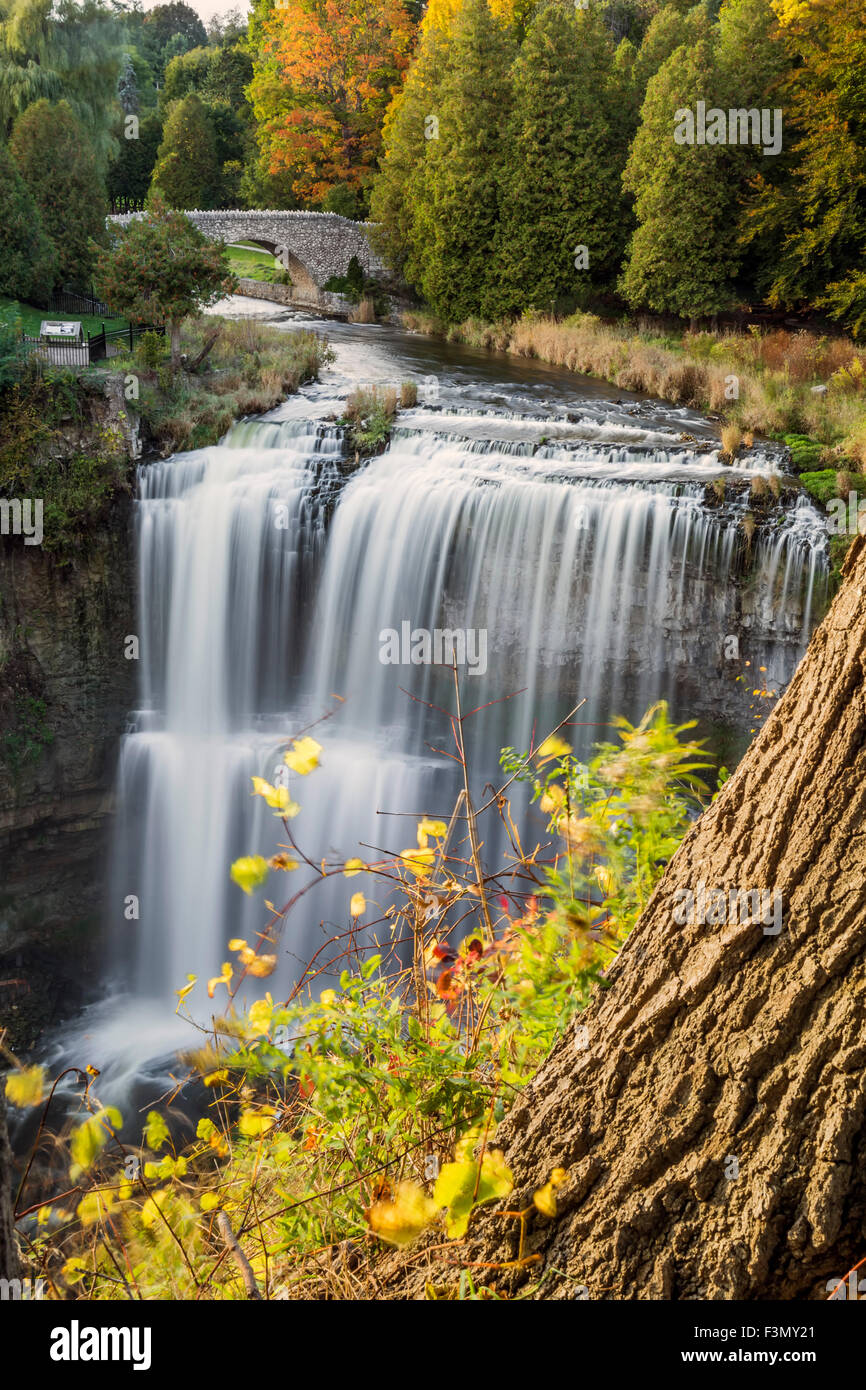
(564, 527)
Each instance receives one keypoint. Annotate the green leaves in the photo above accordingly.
(161, 268)
(55, 157)
(187, 170)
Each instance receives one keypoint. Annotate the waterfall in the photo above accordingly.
(271, 570)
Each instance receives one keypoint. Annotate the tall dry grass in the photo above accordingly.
(250, 369)
(761, 382)
(365, 312)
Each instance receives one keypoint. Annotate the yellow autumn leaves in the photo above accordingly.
(303, 756)
(582, 834)
(25, 1086)
(419, 862)
(544, 1199)
(251, 870)
(276, 797)
(460, 1187)
(256, 963)
(552, 747)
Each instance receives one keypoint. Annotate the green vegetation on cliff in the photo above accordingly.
(58, 445)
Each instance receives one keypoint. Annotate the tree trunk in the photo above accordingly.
(174, 332)
(8, 1247)
(713, 1127)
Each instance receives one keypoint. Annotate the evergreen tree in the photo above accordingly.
(754, 63)
(162, 269)
(144, 80)
(456, 201)
(187, 170)
(565, 222)
(673, 25)
(28, 260)
(57, 162)
(130, 175)
(127, 87)
(684, 256)
(627, 19)
(808, 221)
(410, 124)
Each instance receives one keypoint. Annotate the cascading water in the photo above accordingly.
(587, 548)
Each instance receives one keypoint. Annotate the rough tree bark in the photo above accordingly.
(720, 1042)
(8, 1247)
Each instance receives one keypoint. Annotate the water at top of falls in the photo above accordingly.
(572, 531)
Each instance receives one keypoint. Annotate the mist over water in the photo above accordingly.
(568, 523)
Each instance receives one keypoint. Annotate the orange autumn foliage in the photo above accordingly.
(322, 83)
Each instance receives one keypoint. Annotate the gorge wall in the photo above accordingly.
(65, 691)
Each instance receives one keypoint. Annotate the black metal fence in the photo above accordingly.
(112, 342)
(71, 302)
(93, 347)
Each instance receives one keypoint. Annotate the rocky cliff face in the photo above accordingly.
(65, 690)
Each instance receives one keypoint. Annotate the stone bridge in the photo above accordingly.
(312, 246)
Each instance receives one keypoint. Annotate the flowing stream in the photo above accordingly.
(567, 533)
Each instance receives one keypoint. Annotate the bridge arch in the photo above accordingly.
(317, 244)
(302, 280)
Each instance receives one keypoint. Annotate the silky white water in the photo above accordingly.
(575, 534)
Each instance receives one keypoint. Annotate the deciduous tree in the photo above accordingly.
(62, 49)
(323, 79)
(813, 213)
(709, 1107)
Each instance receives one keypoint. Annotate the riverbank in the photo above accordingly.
(805, 390)
(248, 368)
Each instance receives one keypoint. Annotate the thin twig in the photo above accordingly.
(240, 1259)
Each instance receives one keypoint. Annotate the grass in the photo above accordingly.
(254, 264)
(31, 318)
(826, 483)
(772, 376)
(251, 368)
(369, 416)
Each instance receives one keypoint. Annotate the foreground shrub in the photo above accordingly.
(364, 1114)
